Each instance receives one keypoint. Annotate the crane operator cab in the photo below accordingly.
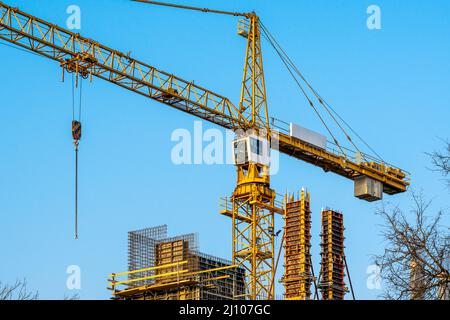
(252, 160)
(251, 148)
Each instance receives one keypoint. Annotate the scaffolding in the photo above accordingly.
(229, 283)
(297, 276)
(142, 245)
(331, 284)
(162, 268)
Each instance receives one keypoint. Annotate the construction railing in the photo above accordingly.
(178, 275)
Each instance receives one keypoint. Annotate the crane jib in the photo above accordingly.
(91, 58)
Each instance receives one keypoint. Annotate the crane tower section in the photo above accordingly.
(252, 204)
(252, 207)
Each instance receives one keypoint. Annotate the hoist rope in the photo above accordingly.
(352, 130)
(333, 114)
(81, 95)
(76, 141)
(289, 64)
(73, 97)
(76, 192)
(292, 65)
(303, 91)
(74, 117)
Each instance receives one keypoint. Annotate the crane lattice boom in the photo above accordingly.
(91, 58)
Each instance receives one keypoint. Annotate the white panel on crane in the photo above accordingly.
(308, 136)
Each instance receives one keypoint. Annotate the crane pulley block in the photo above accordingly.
(76, 130)
(80, 64)
(170, 95)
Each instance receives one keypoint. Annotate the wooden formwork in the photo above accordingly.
(332, 273)
(171, 252)
(297, 245)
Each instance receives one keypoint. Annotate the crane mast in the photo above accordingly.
(253, 201)
(252, 205)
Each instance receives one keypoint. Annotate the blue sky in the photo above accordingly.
(391, 85)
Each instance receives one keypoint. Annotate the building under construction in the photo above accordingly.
(298, 274)
(172, 268)
(297, 246)
(332, 272)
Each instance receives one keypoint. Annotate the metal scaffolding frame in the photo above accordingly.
(162, 268)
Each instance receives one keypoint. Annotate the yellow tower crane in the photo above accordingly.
(252, 204)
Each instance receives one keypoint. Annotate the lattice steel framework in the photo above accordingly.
(253, 240)
(89, 58)
(332, 285)
(297, 277)
(253, 102)
(231, 284)
(162, 268)
(252, 208)
(253, 201)
(142, 249)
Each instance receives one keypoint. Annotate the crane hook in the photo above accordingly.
(76, 135)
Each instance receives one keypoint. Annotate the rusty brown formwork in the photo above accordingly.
(297, 245)
(332, 272)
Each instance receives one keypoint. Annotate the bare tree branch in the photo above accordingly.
(72, 297)
(17, 291)
(441, 161)
(415, 262)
